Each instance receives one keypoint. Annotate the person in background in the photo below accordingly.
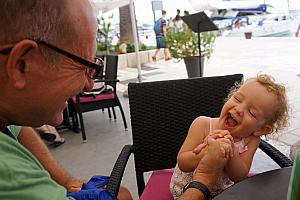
(256, 108)
(160, 33)
(37, 57)
(177, 13)
(50, 134)
(178, 24)
(170, 22)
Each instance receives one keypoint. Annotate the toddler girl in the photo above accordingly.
(257, 107)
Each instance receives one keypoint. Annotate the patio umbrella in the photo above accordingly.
(107, 5)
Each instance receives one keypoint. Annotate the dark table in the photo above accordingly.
(271, 185)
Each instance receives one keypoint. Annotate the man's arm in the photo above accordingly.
(31, 141)
(192, 194)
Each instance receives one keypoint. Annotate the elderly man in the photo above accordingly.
(46, 56)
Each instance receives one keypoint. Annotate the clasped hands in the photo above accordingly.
(217, 148)
(224, 140)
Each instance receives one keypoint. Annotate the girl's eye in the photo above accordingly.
(237, 99)
(252, 113)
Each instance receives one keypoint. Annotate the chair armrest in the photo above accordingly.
(118, 170)
(275, 154)
(99, 77)
(106, 80)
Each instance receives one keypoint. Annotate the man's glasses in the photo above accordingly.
(93, 68)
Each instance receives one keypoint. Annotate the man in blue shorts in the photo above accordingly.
(160, 34)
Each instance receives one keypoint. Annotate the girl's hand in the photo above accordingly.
(199, 148)
(219, 133)
(216, 135)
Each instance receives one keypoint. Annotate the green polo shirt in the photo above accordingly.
(21, 174)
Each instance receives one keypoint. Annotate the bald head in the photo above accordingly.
(65, 23)
(31, 18)
(51, 20)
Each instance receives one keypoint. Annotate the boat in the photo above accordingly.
(261, 22)
(235, 18)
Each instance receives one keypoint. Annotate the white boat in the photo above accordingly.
(234, 18)
(261, 23)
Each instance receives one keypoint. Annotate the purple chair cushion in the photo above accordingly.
(99, 97)
(158, 186)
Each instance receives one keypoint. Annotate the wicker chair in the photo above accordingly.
(161, 113)
(108, 98)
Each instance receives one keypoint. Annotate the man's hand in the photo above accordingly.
(74, 185)
(216, 134)
(212, 164)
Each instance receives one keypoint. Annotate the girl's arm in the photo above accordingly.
(187, 159)
(237, 167)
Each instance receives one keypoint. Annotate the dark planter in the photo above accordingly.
(248, 35)
(193, 66)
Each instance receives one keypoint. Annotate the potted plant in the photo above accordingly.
(184, 45)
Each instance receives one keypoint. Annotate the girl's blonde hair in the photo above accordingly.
(280, 117)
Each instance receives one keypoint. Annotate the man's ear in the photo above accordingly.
(266, 129)
(18, 61)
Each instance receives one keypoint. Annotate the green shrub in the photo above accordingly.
(185, 44)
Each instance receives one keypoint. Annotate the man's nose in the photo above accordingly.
(89, 84)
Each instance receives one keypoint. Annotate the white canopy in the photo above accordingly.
(107, 5)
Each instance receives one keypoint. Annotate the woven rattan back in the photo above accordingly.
(161, 113)
(111, 69)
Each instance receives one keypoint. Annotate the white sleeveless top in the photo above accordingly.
(180, 178)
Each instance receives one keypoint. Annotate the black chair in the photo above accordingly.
(70, 119)
(161, 113)
(103, 97)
